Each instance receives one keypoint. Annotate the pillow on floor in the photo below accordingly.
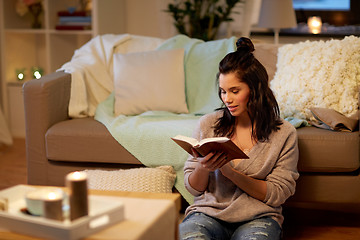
(318, 74)
(149, 81)
(159, 180)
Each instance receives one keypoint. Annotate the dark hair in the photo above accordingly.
(262, 106)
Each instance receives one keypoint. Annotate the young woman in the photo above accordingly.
(242, 199)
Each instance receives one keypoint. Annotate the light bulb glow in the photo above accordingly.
(20, 76)
(37, 74)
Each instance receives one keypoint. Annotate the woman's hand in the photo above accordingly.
(199, 178)
(212, 161)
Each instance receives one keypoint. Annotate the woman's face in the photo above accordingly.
(234, 93)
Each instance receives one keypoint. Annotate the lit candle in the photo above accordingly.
(314, 24)
(78, 194)
(52, 206)
(46, 202)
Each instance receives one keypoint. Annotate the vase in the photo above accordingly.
(36, 22)
(35, 10)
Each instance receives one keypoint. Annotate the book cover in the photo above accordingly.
(72, 27)
(76, 13)
(207, 145)
(75, 19)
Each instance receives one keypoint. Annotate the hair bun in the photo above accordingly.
(244, 44)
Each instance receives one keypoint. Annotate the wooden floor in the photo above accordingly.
(12, 164)
(300, 224)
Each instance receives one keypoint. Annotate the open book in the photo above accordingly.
(207, 145)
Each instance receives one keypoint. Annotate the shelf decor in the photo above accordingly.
(200, 19)
(37, 72)
(34, 7)
(20, 74)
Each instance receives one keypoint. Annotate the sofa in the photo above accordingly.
(56, 144)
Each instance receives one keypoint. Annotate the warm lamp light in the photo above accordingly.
(277, 14)
(314, 24)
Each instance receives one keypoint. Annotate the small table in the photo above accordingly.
(147, 216)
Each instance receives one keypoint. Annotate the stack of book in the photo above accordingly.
(78, 20)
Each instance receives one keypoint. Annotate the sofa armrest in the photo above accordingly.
(45, 103)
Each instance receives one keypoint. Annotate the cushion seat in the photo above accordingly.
(83, 145)
(85, 140)
(316, 145)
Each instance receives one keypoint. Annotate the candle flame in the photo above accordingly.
(77, 175)
(52, 196)
(314, 24)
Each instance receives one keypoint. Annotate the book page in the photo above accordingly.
(190, 140)
(213, 139)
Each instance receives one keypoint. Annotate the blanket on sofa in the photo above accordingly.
(148, 135)
(91, 69)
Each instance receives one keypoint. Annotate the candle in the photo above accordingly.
(78, 194)
(314, 24)
(52, 197)
(52, 206)
(4, 204)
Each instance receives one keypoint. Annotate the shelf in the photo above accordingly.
(74, 32)
(24, 47)
(16, 83)
(25, 30)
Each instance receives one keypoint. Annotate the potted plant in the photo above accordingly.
(201, 18)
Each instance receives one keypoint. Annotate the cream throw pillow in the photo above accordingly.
(318, 74)
(160, 179)
(149, 81)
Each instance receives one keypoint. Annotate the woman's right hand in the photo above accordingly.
(212, 161)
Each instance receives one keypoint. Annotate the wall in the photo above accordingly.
(148, 18)
(145, 17)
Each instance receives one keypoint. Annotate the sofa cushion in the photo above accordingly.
(318, 74)
(149, 81)
(323, 150)
(85, 140)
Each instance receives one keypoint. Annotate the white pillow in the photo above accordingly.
(158, 180)
(318, 74)
(149, 81)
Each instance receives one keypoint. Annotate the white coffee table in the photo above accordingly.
(147, 216)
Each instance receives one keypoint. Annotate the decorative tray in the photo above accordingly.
(103, 212)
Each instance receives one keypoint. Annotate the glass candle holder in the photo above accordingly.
(46, 202)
